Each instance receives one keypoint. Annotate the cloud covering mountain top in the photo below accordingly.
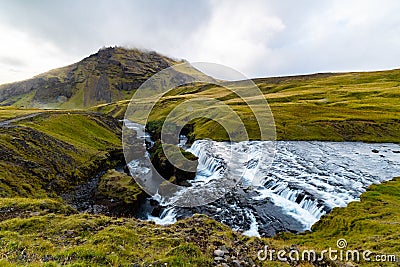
(258, 38)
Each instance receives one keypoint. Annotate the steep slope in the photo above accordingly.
(51, 152)
(73, 155)
(106, 76)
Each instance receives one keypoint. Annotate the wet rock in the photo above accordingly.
(218, 259)
(157, 211)
(227, 258)
(224, 249)
(236, 208)
(107, 193)
(219, 253)
(175, 174)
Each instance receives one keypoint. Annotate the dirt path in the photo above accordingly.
(7, 123)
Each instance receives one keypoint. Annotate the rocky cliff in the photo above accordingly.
(106, 76)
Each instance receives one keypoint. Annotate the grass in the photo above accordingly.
(22, 101)
(98, 240)
(55, 151)
(116, 109)
(119, 187)
(337, 107)
(51, 153)
(7, 113)
(55, 235)
(373, 223)
(86, 131)
(26, 207)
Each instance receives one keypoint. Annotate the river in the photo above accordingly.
(306, 180)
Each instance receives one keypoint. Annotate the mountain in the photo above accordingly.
(352, 106)
(56, 163)
(109, 75)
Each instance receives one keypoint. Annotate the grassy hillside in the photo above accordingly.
(49, 233)
(54, 151)
(335, 106)
(10, 112)
(338, 107)
(109, 75)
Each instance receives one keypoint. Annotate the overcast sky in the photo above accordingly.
(258, 38)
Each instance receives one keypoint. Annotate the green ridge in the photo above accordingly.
(335, 107)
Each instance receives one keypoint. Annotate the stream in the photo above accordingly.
(306, 180)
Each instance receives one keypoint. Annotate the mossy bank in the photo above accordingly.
(48, 233)
(52, 152)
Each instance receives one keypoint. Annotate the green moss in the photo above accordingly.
(337, 107)
(180, 171)
(53, 152)
(119, 187)
(89, 240)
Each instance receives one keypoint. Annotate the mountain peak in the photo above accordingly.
(108, 75)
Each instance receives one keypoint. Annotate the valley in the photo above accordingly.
(67, 197)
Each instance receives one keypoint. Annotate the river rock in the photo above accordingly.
(218, 259)
(218, 253)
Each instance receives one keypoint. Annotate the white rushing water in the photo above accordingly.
(253, 230)
(306, 179)
(168, 216)
(242, 159)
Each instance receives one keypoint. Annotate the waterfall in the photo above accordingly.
(303, 180)
(168, 216)
(307, 179)
(209, 162)
(253, 230)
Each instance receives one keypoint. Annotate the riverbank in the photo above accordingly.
(37, 228)
(47, 232)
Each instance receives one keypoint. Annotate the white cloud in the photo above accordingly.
(23, 56)
(345, 36)
(258, 38)
(237, 35)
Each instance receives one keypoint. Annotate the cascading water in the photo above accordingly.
(168, 216)
(305, 181)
